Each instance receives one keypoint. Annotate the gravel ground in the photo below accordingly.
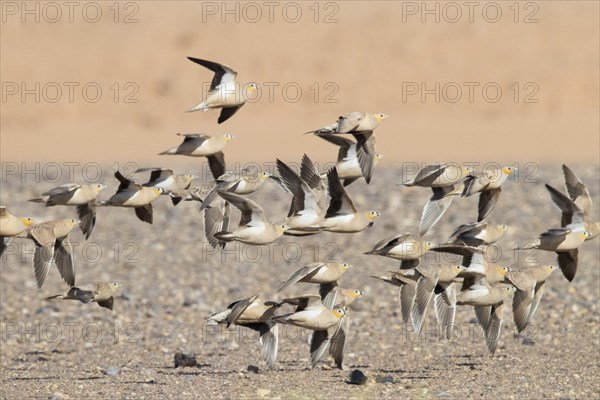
(173, 280)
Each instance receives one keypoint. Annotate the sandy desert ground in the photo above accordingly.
(173, 281)
(376, 56)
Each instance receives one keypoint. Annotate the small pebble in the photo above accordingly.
(112, 370)
(357, 377)
(184, 360)
(384, 379)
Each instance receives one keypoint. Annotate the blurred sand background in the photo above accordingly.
(173, 280)
(369, 53)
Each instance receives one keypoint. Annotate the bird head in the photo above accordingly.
(228, 137)
(72, 222)
(425, 246)
(251, 87)
(510, 289)
(98, 187)
(502, 270)
(344, 266)
(380, 117)
(457, 269)
(264, 176)
(551, 268)
(27, 221)
(468, 170)
(281, 228)
(354, 293)
(584, 235)
(339, 312)
(372, 215)
(158, 191)
(114, 286)
(508, 170)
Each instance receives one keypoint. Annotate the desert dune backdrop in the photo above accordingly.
(359, 55)
(91, 87)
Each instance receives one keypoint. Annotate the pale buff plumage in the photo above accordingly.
(477, 234)
(52, 246)
(11, 226)
(530, 289)
(255, 313)
(311, 314)
(342, 216)
(82, 196)
(97, 292)
(133, 195)
(488, 183)
(319, 273)
(402, 247)
(253, 227)
(224, 92)
(200, 145)
(243, 182)
(305, 215)
(348, 163)
(565, 242)
(175, 185)
(354, 122)
(439, 175)
(577, 207)
(488, 302)
(446, 182)
(337, 346)
(428, 277)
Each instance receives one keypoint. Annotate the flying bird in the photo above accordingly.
(224, 92)
(81, 196)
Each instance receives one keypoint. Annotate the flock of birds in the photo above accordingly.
(320, 203)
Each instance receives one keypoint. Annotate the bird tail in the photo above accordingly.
(527, 246)
(56, 296)
(170, 151)
(39, 199)
(224, 236)
(200, 106)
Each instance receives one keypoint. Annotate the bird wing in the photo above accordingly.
(252, 213)
(494, 327)
(577, 190)
(571, 213)
(126, 184)
(567, 261)
(299, 274)
(238, 309)
(424, 293)
(63, 255)
(337, 345)
(365, 152)
(340, 201)
(69, 187)
(87, 216)
(487, 202)
(435, 208)
(222, 72)
(144, 213)
(42, 261)
(216, 163)
(227, 112)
